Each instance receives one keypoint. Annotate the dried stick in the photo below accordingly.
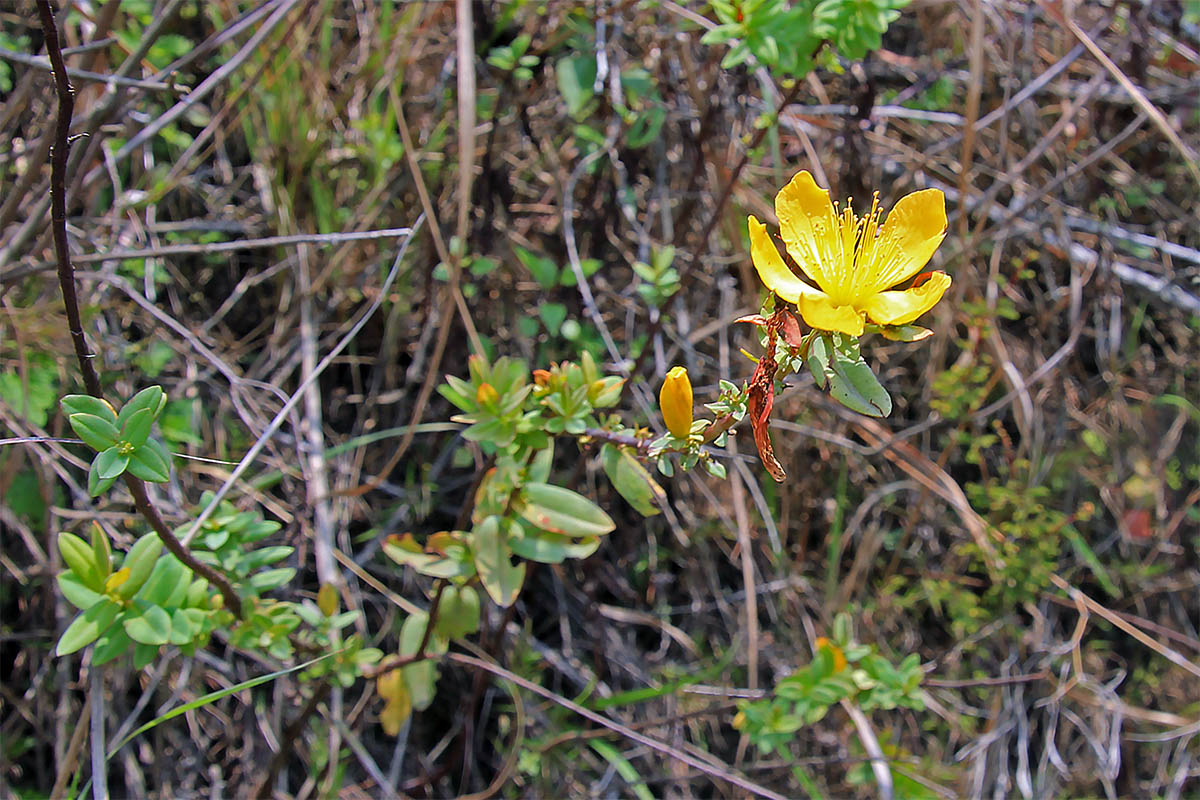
(709, 769)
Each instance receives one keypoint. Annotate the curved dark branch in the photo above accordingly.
(66, 280)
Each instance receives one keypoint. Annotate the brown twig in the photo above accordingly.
(708, 768)
(59, 154)
(291, 732)
(396, 662)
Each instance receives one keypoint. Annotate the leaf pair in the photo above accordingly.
(121, 440)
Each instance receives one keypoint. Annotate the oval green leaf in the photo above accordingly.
(458, 612)
(150, 462)
(167, 573)
(79, 558)
(110, 463)
(96, 484)
(493, 560)
(86, 404)
(113, 644)
(558, 510)
(552, 548)
(140, 560)
(76, 593)
(152, 626)
(96, 432)
(149, 399)
(632, 480)
(87, 627)
(136, 427)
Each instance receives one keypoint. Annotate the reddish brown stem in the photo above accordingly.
(66, 280)
(396, 662)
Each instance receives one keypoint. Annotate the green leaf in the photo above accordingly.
(632, 480)
(96, 432)
(497, 431)
(265, 555)
(458, 612)
(113, 644)
(576, 78)
(76, 593)
(541, 463)
(420, 677)
(559, 510)
(150, 462)
(819, 350)
(272, 578)
(151, 626)
(149, 399)
(110, 463)
(144, 655)
(101, 552)
(33, 395)
(493, 561)
(137, 427)
(552, 548)
(646, 127)
(140, 560)
(854, 385)
(86, 404)
(168, 572)
(458, 392)
(184, 626)
(552, 315)
(87, 626)
(905, 333)
(588, 266)
(96, 484)
(721, 34)
(544, 270)
(405, 551)
(80, 560)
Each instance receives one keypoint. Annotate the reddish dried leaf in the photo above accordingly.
(760, 401)
(753, 319)
(1137, 522)
(789, 329)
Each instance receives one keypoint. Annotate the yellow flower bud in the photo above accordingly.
(486, 395)
(675, 400)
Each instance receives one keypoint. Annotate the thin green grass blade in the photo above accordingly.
(214, 696)
(626, 770)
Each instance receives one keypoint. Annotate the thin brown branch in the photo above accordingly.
(709, 769)
(59, 154)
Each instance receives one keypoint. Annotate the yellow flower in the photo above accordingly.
(675, 400)
(854, 262)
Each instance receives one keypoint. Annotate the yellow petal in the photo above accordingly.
(820, 312)
(772, 270)
(808, 226)
(675, 400)
(910, 234)
(902, 307)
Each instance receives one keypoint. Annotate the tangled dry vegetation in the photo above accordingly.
(1057, 411)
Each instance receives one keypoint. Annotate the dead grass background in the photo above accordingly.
(1061, 390)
